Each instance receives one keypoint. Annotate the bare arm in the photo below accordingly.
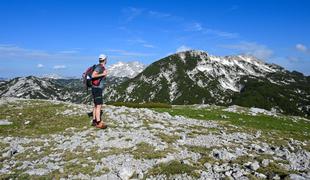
(97, 75)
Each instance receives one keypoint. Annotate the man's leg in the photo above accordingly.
(99, 103)
(94, 112)
(100, 123)
(98, 109)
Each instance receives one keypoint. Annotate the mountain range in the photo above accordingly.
(189, 77)
(195, 77)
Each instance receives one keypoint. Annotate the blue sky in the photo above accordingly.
(66, 36)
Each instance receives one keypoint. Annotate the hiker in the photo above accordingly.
(98, 82)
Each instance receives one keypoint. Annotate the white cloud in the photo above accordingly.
(293, 59)
(131, 13)
(164, 16)
(128, 53)
(69, 52)
(183, 48)
(60, 67)
(137, 40)
(198, 27)
(9, 51)
(252, 48)
(301, 48)
(141, 42)
(40, 65)
(194, 27)
(219, 33)
(148, 45)
(157, 14)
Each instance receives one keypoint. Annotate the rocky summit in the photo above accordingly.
(52, 139)
(125, 69)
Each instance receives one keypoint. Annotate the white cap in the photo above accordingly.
(102, 56)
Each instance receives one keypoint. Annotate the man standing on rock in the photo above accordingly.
(98, 82)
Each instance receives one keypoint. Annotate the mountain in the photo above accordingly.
(195, 77)
(32, 87)
(56, 87)
(123, 69)
(70, 90)
(3, 79)
(190, 77)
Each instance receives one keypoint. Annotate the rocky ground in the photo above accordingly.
(138, 144)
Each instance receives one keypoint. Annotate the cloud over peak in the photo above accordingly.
(252, 48)
(60, 67)
(301, 48)
(40, 65)
(183, 48)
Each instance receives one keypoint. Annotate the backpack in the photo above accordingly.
(87, 77)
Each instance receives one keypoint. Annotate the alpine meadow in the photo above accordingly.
(155, 90)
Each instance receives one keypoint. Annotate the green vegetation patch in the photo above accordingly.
(168, 138)
(273, 169)
(172, 168)
(282, 125)
(43, 117)
(141, 105)
(146, 151)
(204, 152)
(199, 149)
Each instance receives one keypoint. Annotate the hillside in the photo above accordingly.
(68, 90)
(55, 87)
(195, 77)
(52, 139)
(32, 87)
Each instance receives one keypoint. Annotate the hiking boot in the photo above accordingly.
(94, 122)
(101, 125)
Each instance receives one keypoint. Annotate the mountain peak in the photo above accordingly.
(192, 53)
(126, 69)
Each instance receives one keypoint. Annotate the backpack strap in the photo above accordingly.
(100, 65)
(103, 68)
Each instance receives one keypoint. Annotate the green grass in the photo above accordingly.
(199, 149)
(274, 168)
(282, 125)
(146, 151)
(172, 168)
(168, 138)
(205, 155)
(141, 105)
(43, 118)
